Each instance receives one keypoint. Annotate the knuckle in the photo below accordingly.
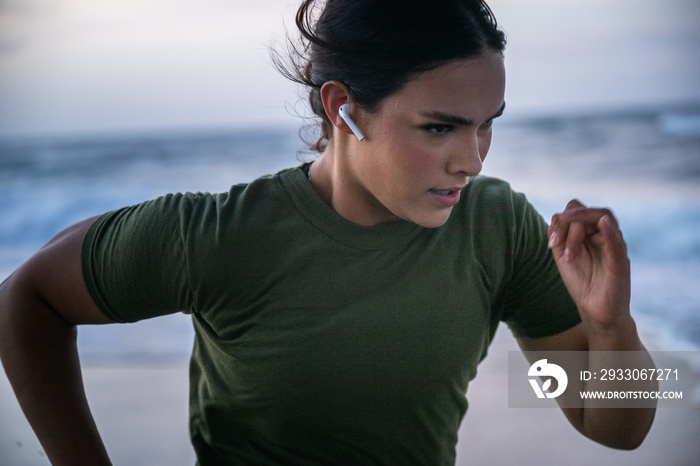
(575, 204)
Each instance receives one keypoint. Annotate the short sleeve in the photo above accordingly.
(134, 260)
(537, 302)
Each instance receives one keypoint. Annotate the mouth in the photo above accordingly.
(445, 192)
(447, 197)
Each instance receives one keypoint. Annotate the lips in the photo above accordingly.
(443, 193)
(447, 197)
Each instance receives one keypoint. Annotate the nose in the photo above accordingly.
(467, 156)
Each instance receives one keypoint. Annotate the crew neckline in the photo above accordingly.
(323, 217)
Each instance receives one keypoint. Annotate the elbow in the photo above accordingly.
(629, 443)
(624, 442)
(25, 317)
(627, 435)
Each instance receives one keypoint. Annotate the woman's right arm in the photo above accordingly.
(40, 306)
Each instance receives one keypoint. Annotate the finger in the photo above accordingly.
(558, 230)
(552, 224)
(574, 204)
(571, 228)
(596, 224)
(578, 231)
(567, 237)
(559, 227)
(613, 244)
(589, 216)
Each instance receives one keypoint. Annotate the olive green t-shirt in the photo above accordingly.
(319, 341)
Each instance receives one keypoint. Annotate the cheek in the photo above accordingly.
(407, 159)
(415, 158)
(419, 163)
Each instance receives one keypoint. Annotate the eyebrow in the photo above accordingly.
(458, 120)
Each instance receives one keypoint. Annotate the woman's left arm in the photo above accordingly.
(591, 256)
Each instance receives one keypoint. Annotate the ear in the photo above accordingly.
(333, 95)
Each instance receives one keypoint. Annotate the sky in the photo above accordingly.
(73, 67)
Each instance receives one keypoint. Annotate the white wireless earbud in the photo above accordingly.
(344, 112)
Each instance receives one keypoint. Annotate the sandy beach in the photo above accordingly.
(493, 434)
(142, 413)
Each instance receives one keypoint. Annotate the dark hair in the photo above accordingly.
(374, 47)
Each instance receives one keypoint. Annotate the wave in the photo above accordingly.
(646, 165)
(683, 124)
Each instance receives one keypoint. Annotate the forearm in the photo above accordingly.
(39, 355)
(616, 347)
(591, 256)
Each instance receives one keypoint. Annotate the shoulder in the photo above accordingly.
(500, 223)
(188, 206)
(261, 200)
(171, 218)
(492, 203)
(490, 190)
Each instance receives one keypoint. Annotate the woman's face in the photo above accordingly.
(426, 142)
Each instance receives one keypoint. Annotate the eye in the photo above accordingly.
(438, 129)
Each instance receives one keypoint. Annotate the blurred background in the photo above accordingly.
(105, 104)
(77, 67)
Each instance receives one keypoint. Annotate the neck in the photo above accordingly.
(321, 177)
(341, 190)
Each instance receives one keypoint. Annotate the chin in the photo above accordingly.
(432, 221)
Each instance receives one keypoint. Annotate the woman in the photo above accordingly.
(340, 308)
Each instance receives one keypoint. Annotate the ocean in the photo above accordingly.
(644, 165)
